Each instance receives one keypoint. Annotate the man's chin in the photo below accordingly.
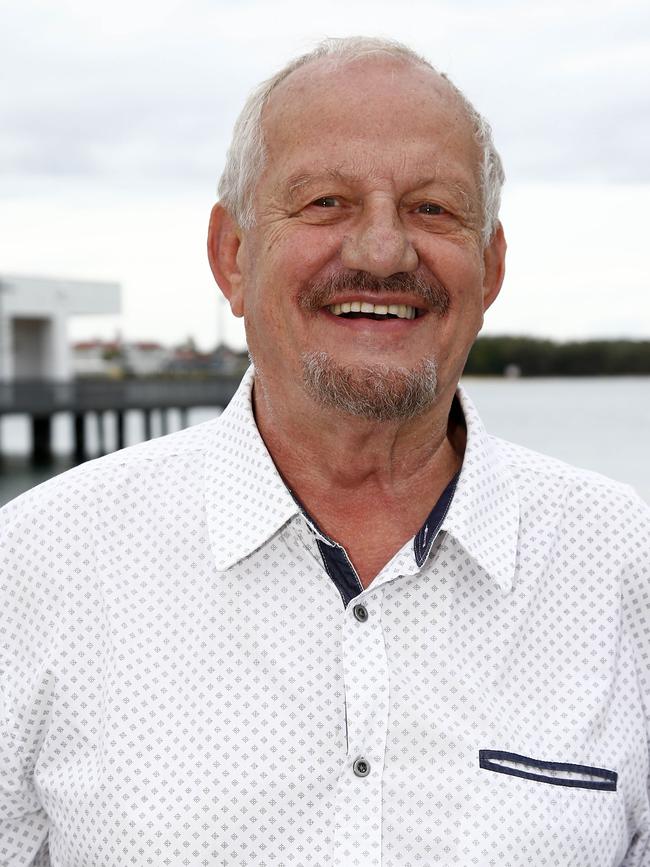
(378, 392)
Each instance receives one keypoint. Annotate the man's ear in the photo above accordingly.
(494, 261)
(224, 242)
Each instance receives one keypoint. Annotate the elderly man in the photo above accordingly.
(339, 625)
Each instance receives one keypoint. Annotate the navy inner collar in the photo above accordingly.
(429, 530)
(339, 566)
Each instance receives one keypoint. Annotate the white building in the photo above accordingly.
(97, 358)
(116, 358)
(144, 357)
(33, 322)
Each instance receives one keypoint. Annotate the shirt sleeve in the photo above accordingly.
(29, 620)
(636, 613)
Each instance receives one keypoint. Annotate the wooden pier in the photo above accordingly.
(40, 400)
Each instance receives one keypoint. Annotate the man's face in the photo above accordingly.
(369, 196)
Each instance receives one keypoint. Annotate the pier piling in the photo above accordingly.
(80, 453)
(41, 439)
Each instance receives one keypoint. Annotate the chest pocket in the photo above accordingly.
(553, 773)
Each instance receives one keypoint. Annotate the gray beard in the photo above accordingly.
(376, 391)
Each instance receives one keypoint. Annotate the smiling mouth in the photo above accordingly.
(363, 309)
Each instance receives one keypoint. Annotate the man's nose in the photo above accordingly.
(379, 244)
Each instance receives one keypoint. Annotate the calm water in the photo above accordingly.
(602, 424)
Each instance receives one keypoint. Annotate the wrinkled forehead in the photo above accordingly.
(330, 79)
(369, 92)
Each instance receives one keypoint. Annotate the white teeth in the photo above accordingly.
(402, 311)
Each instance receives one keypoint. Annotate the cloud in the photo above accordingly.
(144, 92)
(116, 118)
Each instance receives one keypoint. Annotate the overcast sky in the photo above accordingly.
(116, 117)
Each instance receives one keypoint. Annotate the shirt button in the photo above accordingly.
(361, 613)
(361, 767)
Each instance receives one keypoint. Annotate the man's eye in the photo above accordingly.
(326, 202)
(431, 209)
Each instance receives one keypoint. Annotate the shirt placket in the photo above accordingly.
(358, 815)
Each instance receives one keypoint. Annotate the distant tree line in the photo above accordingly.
(529, 356)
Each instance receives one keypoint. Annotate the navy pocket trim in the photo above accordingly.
(490, 761)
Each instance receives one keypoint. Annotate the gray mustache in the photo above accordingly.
(320, 293)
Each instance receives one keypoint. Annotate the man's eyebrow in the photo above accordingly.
(451, 185)
(297, 182)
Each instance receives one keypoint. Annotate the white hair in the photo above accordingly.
(246, 154)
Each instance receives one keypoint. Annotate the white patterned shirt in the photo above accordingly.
(184, 684)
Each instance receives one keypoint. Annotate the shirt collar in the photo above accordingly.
(247, 501)
(484, 514)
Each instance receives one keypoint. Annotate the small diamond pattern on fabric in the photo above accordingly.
(182, 684)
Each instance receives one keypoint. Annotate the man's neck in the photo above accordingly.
(369, 485)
